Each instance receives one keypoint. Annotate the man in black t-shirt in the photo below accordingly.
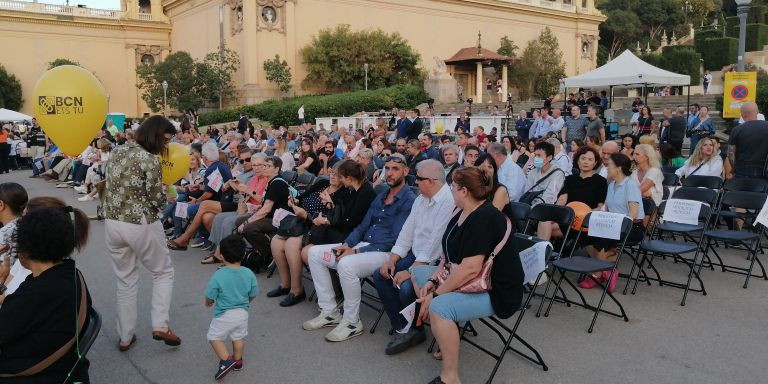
(747, 146)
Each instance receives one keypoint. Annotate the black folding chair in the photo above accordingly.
(506, 334)
(518, 214)
(631, 248)
(88, 336)
(372, 301)
(746, 184)
(659, 246)
(585, 265)
(711, 182)
(670, 180)
(751, 203)
(562, 216)
(304, 181)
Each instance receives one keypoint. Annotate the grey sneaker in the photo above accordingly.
(322, 321)
(345, 330)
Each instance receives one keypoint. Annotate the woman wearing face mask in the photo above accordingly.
(544, 177)
(704, 161)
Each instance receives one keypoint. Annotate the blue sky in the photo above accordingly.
(101, 4)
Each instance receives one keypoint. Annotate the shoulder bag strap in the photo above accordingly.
(504, 240)
(697, 168)
(55, 356)
(542, 179)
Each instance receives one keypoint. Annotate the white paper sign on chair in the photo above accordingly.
(682, 211)
(534, 260)
(762, 217)
(606, 225)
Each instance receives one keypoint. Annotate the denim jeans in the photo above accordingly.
(455, 306)
(178, 223)
(394, 299)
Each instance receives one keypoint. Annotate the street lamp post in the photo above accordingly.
(741, 11)
(165, 97)
(365, 67)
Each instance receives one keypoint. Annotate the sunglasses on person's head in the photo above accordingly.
(395, 159)
(246, 160)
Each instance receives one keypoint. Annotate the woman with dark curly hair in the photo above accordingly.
(39, 319)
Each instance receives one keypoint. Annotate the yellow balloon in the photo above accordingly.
(439, 128)
(175, 164)
(71, 107)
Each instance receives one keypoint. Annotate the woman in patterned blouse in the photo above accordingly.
(133, 207)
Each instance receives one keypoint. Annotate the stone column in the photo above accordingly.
(504, 79)
(479, 84)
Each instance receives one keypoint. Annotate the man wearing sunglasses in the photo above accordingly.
(361, 254)
(417, 244)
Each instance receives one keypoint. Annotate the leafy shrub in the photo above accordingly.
(283, 112)
(719, 52)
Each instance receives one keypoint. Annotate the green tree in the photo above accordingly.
(178, 69)
(334, 60)
(278, 72)
(215, 75)
(191, 84)
(540, 67)
(507, 47)
(10, 91)
(629, 21)
(58, 62)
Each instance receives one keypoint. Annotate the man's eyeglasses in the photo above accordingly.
(243, 161)
(422, 178)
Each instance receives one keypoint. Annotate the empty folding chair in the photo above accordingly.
(711, 182)
(751, 203)
(649, 208)
(585, 265)
(563, 217)
(691, 225)
(533, 260)
(746, 184)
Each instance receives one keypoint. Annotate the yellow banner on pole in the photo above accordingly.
(738, 88)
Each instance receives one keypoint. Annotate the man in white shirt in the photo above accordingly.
(301, 114)
(510, 174)
(556, 122)
(608, 149)
(417, 244)
(561, 160)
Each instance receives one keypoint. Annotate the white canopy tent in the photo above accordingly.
(8, 115)
(628, 71)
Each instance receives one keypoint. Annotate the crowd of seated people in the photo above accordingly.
(386, 203)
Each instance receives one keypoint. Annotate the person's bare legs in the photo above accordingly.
(447, 335)
(220, 348)
(207, 206)
(305, 253)
(208, 221)
(237, 349)
(278, 254)
(293, 254)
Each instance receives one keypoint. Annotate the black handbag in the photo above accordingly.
(530, 195)
(292, 226)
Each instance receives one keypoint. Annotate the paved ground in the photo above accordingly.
(720, 338)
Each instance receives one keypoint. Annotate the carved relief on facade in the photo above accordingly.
(588, 46)
(271, 15)
(236, 16)
(148, 54)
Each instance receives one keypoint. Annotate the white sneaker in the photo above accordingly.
(85, 198)
(345, 330)
(322, 321)
(81, 189)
